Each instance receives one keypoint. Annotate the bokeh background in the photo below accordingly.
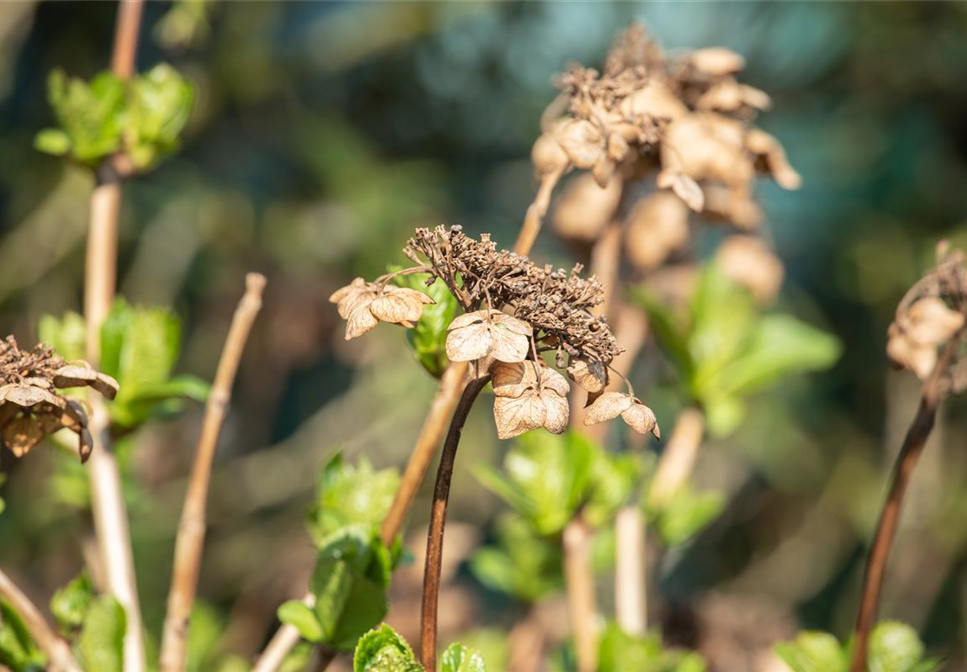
(325, 132)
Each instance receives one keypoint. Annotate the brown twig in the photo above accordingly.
(58, 652)
(534, 219)
(580, 592)
(438, 519)
(678, 459)
(191, 530)
(107, 502)
(934, 391)
(283, 641)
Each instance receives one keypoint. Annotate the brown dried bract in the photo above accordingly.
(931, 315)
(30, 407)
(483, 333)
(365, 304)
(529, 395)
(747, 261)
(612, 404)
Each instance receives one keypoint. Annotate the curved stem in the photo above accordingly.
(630, 590)
(58, 652)
(438, 519)
(906, 461)
(678, 459)
(534, 218)
(579, 578)
(190, 540)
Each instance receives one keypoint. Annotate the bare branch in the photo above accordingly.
(56, 649)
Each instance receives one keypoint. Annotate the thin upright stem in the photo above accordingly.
(580, 593)
(934, 390)
(630, 592)
(107, 502)
(58, 652)
(678, 459)
(438, 519)
(534, 219)
(190, 540)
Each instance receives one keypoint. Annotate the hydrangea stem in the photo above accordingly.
(58, 652)
(438, 519)
(580, 592)
(191, 529)
(678, 459)
(934, 390)
(107, 502)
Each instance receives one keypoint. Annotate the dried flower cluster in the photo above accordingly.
(514, 311)
(929, 316)
(683, 118)
(30, 407)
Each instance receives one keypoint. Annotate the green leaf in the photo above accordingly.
(70, 604)
(813, 652)
(67, 335)
(522, 564)
(459, 658)
(204, 632)
(686, 514)
(547, 478)
(896, 647)
(612, 481)
(348, 495)
(17, 649)
(101, 642)
(428, 338)
(780, 345)
(619, 651)
(350, 580)
(297, 614)
(161, 102)
(383, 650)
(89, 115)
(671, 337)
(52, 141)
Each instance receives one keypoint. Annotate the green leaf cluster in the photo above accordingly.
(17, 650)
(619, 652)
(100, 645)
(383, 650)
(520, 563)
(894, 647)
(350, 495)
(142, 117)
(70, 604)
(686, 514)
(725, 349)
(428, 338)
(139, 347)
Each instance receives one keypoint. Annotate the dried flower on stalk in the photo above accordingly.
(365, 304)
(30, 407)
(529, 395)
(929, 316)
(484, 333)
(612, 404)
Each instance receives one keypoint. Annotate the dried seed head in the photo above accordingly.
(585, 208)
(31, 409)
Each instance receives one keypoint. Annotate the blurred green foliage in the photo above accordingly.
(894, 647)
(383, 650)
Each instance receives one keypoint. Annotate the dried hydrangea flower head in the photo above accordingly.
(932, 315)
(365, 304)
(684, 119)
(514, 311)
(31, 407)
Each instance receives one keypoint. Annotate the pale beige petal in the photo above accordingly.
(549, 379)
(558, 412)
(590, 375)
(27, 396)
(582, 141)
(717, 61)
(684, 186)
(469, 319)
(471, 342)
(607, 407)
(641, 419)
(516, 416)
(929, 321)
(360, 321)
(511, 323)
(74, 375)
(342, 293)
(508, 346)
(513, 379)
(397, 307)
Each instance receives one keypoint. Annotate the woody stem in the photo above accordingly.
(438, 518)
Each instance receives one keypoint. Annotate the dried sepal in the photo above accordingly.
(918, 331)
(771, 159)
(612, 404)
(747, 261)
(730, 96)
(684, 186)
(364, 305)
(657, 228)
(589, 374)
(585, 208)
(717, 61)
(488, 332)
(529, 395)
(548, 156)
(80, 374)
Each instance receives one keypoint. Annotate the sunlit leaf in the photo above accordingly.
(383, 650)
(101, 642)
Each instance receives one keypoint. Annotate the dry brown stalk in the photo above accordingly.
(107, 502)
(534, 219)
(934, 390)
(438, 519)
(580, 593)
(190, 540)
(58, 652)
(678, 459)
(630, 592)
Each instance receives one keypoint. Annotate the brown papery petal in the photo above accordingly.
(658, 227)
(582, 141)
(641, 418)
(930, 322)
(85, 443)
(107, 386)
(508, 346)
(607, 407)
(397, 307)
(26, 396)
(558, 414)
(22, 434)
(590, 375)
(585, 208)
(516, 416)
(356, 286)
(684, 186)
(717, 61)
(549, 379)
(548, 156)
(74, 375)
(360, 321)
(513, 379)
